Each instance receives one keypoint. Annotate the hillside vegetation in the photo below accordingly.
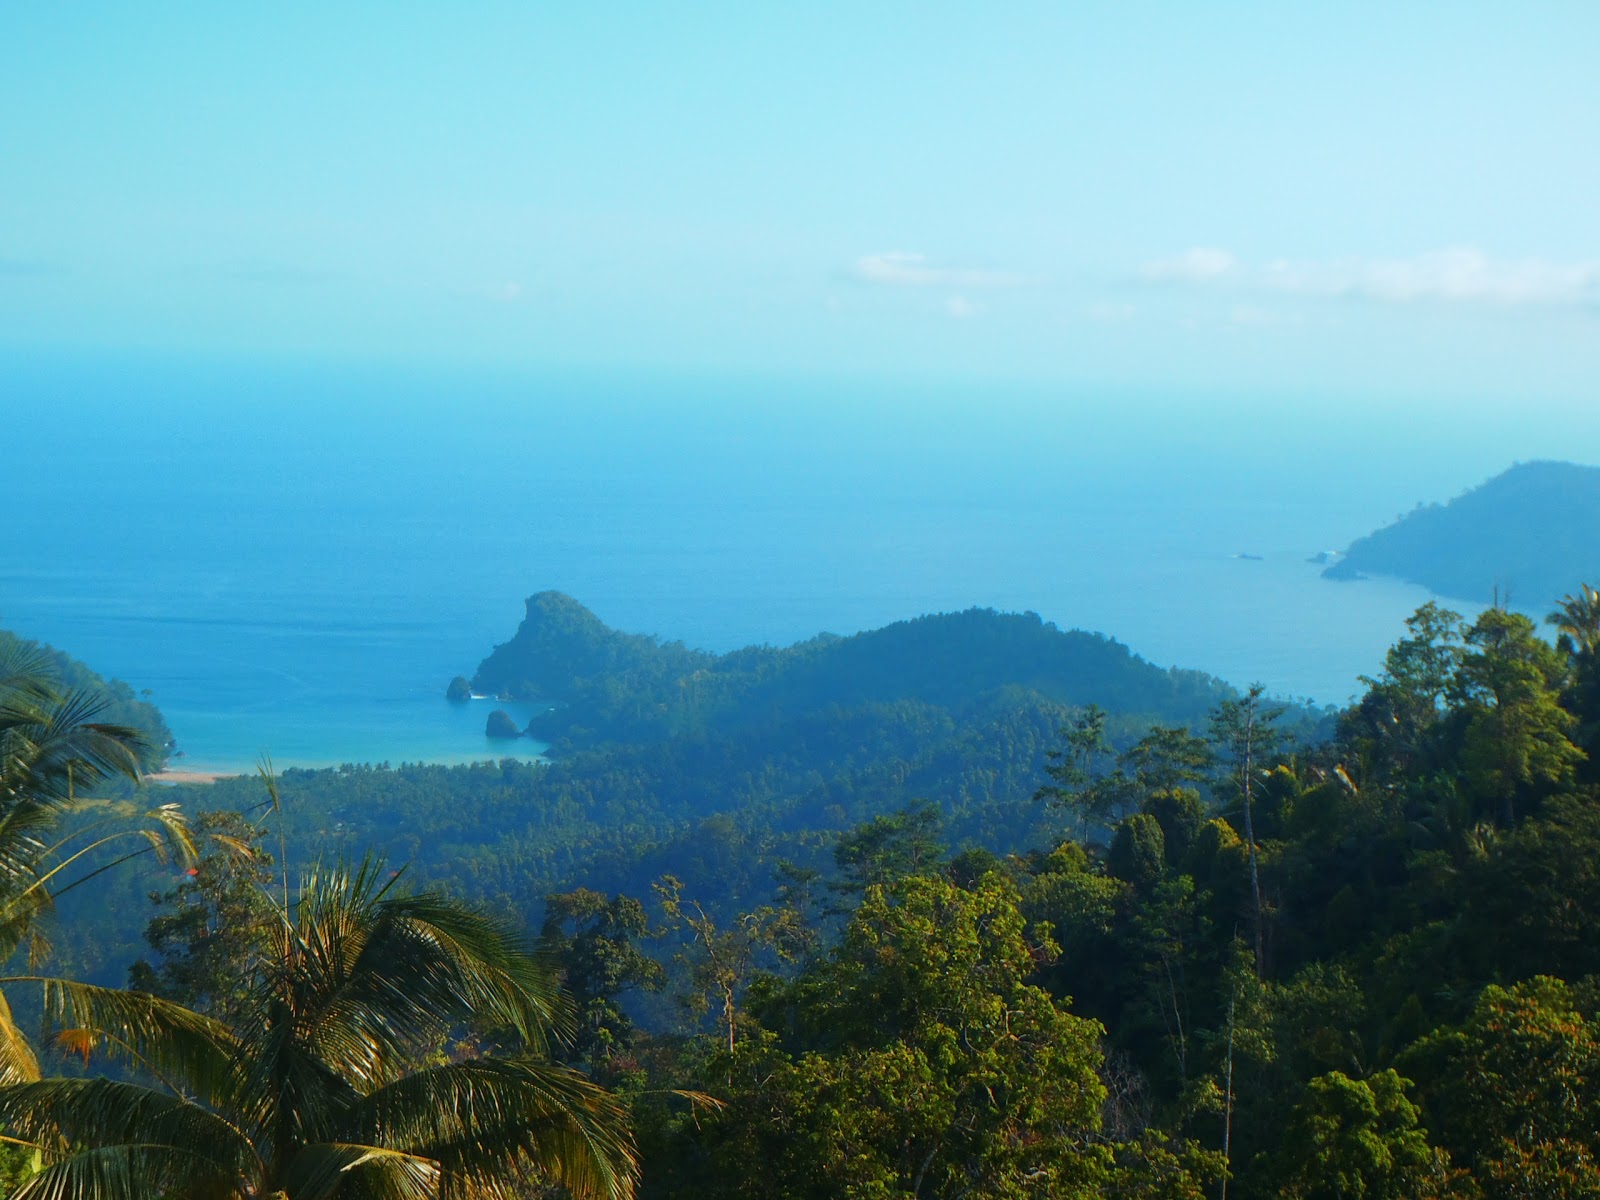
(607, 686)
(1007, 947)
(116, 701)
(1523, 536)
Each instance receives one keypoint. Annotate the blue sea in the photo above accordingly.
(294, 559)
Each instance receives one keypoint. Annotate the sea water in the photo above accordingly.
(294, 559)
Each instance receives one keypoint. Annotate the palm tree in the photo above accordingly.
(51, 749)
(334, 1085)
(1577, 618)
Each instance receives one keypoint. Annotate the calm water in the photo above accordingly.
(296, 560)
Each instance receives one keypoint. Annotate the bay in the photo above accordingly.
(294, 558)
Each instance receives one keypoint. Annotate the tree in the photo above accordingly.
(1577, 619)
(1360, 1139)
(1392, 730)
(887, 848)
(332, 1084)
(53, 749)
(1515, 1089)
(592, 938)
(1513, 730)
(1138, 851)
(1074, 767)
(1167, 758)
(721, 960)
(215, 929)
(1242, 731)
(931, 1066)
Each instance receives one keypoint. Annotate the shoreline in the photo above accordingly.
(169, 777)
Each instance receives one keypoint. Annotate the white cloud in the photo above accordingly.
(900, 268)
(1202, 264)
(1461, 275)
(959, 306)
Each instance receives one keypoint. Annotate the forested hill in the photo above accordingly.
(608, 686)
(1525, 535)
(715, 768)
(120, 705)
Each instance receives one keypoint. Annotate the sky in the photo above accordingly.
(1375, 198)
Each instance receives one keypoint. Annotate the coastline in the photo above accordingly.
(169, 777)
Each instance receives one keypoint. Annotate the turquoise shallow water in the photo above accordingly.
(295, 560)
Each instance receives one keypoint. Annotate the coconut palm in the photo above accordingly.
(1577, 618)
(334, 1086)
(51, 749)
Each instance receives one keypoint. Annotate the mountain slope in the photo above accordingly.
(608, 686)
(1530, 535)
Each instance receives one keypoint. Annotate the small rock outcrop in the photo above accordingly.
(459, 691)
(500, 725)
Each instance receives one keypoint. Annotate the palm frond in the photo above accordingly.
(495, 1125)
(283, 1091)
(74, 747)
(135, 1171)
(380, 975)
(18, 1063)
(328, 1169)
(105, 1138)
(51, 748)
(27, 675)
(164, 1037)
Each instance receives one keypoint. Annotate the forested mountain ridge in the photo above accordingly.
(607, 686)
(715, 768)
(1523, 536)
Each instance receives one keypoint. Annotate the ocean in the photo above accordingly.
(294, 559)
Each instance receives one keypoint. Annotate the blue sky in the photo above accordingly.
(1392, 199)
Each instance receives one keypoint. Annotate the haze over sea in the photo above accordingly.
(296, 559)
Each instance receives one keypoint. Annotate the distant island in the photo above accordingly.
(1528, 536)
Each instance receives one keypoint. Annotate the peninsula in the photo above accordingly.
(1528, 536)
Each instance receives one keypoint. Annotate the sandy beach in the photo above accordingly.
(166, 777)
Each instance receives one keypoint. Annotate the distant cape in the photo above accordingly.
(602, 684)
(1528, 537)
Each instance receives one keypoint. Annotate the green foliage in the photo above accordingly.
(890, 847)
(1515, 1089)
(1232, 974)
(332, 1082)
(920, 1062)
(214, 930)
(593, 940)
(1360, 1139)
(1138, 851)
(1507, 698)
(113, 702)
(52, 841)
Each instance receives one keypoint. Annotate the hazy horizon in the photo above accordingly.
(1372, 200)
